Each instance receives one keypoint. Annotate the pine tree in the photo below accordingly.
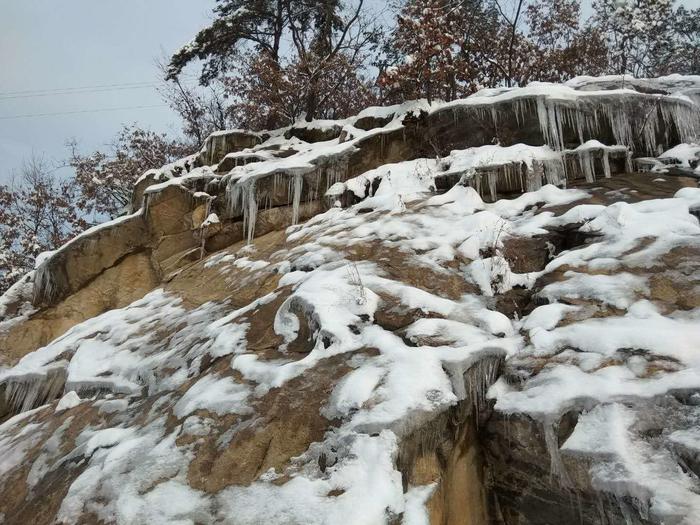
(328, 42)
(560, 46)
(237, 25)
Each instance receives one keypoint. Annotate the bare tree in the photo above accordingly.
(105, 179)
(38, 213)
(511, 15)
(203, 109)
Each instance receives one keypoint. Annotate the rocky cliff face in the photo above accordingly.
(480, 312)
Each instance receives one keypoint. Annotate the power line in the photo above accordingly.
(75, 92)
(99, 110)
(75, 88)
(27, 93)
(80, 88)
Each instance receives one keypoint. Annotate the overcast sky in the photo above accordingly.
(49, 45)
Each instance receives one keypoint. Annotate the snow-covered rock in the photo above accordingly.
(496, 314)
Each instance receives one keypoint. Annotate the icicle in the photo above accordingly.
(556, 466)
(242, 199)
(550, 118)
(555, 172)
(535, 176)
(579, 126)
(250, 217)
(474, 180)
(628, 162)
(46, 288)
(478, 379)
(472, 383)
(492, 177)
(202, 240)
(606, 164)
(587, 167)
(298, 183)
(542, 116)
(32, 390)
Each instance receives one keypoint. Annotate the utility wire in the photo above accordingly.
(75, 88)
(99, 110)
(80, 89)
(75, 92)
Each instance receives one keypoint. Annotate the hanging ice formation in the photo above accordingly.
(31, 390)
(297, 184)
(637, 121)
(242, 200)
(245, 197)
(628, 122)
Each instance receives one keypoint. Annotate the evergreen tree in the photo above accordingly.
(237, 25)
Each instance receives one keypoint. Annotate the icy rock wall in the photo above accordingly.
(245, 196)
(639, 122)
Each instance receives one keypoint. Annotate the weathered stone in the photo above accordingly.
(220, 144)
(314, 132)
(127, 280)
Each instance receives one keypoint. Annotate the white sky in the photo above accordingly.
(50, 44)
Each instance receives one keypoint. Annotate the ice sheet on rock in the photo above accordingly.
(566, 386)
(172, 170)
(494, 276)
(134, 475)
(117, 351)
(17, 438)
(412, 106)
(625, 465)
(687, 154)
(665, 223)
(49, 455)
(641, 328)
(547, 317)
(402, 178)
(670, 83)
(334, 300)
(354, 390)
(461, 161)
(16, 302)
(619, 290)
(68, 401)
(221, 395)
(370, 486)
(415, 511)
(455, 332)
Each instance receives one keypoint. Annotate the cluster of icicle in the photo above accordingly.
(589, 116)
(244, 199)
(23, 393)
(637, 122)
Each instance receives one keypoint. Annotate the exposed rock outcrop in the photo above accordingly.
(353, 325)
